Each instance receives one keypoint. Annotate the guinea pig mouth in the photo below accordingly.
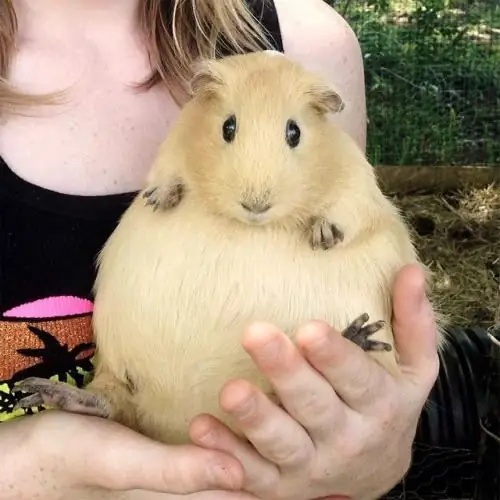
(256, 219)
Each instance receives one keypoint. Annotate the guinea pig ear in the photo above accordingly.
(206, 79)
(326, 100)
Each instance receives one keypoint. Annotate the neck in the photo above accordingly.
(76, 16)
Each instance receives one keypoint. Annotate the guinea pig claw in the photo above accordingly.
(30, 401)
(59, 395)
(151, 199)
(164, 198)
(358, 332)
(324, 234)
(148, 192)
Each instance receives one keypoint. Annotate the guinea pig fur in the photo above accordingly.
(257, 207)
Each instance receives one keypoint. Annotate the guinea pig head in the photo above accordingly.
(259, 149)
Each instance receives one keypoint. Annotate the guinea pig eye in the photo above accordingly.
(292, 133)
(229, 129)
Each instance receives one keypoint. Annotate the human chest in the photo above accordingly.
(102, 138)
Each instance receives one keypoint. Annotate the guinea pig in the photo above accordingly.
(257, 207)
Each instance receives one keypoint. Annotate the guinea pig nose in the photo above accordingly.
(256, 208)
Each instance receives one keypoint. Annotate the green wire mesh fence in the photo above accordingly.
(432, 79)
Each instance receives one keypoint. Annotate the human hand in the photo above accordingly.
(349, 425)
(205, 495)
(56, 455)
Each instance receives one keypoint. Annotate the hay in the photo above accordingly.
(458, 236)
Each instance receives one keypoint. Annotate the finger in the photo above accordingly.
(205, 495)
(415, 328)
(274, 433)
(120, 459)
(302, 391)
(357, 379)
(261, 476)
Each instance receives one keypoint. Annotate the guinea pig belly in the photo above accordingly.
(178, 296)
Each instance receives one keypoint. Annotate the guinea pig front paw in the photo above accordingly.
(324, 234)
(60, 395)
(166, 197)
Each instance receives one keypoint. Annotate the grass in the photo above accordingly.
(433, 95)
(432, 79)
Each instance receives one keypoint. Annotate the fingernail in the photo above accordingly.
(245, 408)
(208, 439)
(270, 350)
(317, 344)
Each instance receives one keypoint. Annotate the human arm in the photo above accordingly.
(58, 455)
(319, 38)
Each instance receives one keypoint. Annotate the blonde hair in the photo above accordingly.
(177, 33)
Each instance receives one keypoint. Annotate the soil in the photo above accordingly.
(457, 235)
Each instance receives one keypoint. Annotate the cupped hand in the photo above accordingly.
(347, 426)
(56, 455)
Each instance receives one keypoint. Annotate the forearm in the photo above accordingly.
(20, 476)
(25, 472)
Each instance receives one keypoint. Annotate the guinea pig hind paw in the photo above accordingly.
(324, 234)
(60, 395)
(164, 198)
(358, 332)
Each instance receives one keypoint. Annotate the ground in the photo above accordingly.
(458, 236)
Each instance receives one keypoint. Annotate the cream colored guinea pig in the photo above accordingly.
(257, 207)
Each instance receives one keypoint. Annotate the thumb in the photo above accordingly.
(120, 459)
(414, 326)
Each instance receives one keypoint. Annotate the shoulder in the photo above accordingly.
(317, 36)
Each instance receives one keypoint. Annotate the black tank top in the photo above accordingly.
(48, 246)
